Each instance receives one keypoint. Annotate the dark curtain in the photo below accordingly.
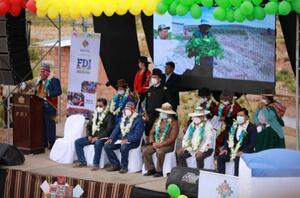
(119, 49)
(148, 29)
(145, 193)
(2, 181)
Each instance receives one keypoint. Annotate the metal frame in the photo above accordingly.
(297, 70)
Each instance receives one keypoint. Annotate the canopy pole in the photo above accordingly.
(297, 82)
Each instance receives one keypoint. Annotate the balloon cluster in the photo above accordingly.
(84, 8)
(174, 191)
(229, 10)
(11, 6)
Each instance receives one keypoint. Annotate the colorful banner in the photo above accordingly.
(83, 73)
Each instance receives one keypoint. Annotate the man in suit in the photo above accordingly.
(155, 98)
(125, 136)
(172, 85)
(241, 138)
(99, 127)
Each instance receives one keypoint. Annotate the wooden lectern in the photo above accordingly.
(28, 123)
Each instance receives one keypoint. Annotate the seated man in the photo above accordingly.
(98, 128)
(125, 136)
(198, 139)
(241, 139)
(162, 140)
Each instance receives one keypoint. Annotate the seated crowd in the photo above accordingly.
(218, 127)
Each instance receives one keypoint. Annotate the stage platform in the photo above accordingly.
(41, 164)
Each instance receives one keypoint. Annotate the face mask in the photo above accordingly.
(99, 109)
(121, 92)
(226, 103)
(163, 116)
(203, 100)
(264, 101)
(127, 113)
(153, 82)
(197, 120)
(240, 119)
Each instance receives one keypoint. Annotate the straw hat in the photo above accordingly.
(166, 108)
(199, 111)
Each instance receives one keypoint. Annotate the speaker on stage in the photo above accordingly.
(14, 58)
(10, 155)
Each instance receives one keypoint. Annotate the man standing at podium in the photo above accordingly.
(48, 88)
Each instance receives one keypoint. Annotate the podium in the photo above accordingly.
(28, 123)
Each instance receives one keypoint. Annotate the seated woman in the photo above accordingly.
(198, 139)
(269, 125)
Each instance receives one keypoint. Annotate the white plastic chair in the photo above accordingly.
(209, 162)
(135, 160)
(89, 152)
(169, 162)
(229, 168)
(63, 150)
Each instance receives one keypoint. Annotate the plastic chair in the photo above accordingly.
(89, 152)
(63, 150)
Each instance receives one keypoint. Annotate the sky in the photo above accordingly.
(268, 22)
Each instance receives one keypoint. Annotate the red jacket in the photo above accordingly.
(139, 87)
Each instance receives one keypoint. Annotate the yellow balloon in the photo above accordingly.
(85, 10)
(183, 196)
(121, 11)
(42, 4)
(64, 10)
(150, 6)
(123, 5)
(74, 11)
(135, 11)
(110, 8)
(147, 12)
(52, 12)
(41, 13)
(97, 8)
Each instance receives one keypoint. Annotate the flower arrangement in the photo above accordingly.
(191, 129)
(125, 127)
(112, 107)
(96, 126)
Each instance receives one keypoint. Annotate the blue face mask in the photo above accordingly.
(240, 119)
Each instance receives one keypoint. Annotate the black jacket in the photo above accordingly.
(105, 128)
(249, 141)
(155, 98)
(172, 86)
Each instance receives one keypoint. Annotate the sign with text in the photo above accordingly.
(83, 72)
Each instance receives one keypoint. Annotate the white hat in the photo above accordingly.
(166, 108)
(199, 111)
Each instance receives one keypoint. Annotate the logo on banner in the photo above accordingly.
(85, 43)
(224, 190)
(190, 178)
(84, 65)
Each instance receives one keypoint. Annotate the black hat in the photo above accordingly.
(157, 72)
(204, 92)
(144, 59)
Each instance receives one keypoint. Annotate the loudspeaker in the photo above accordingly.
(10, 155)
(14, 58)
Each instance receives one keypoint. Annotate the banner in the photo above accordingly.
(83, 73)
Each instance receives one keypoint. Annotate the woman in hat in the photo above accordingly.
(269, 125)
(162, 140)
(120, 99)
(142, 80)
(198, 140)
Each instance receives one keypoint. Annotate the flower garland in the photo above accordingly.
(125, 128)
(96, 126)
(234, 149)
(212, 99)
(112, 106)
(165, 132)
(191, 131)
(221, 107)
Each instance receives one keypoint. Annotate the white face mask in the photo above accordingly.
(153, 81)
(264, 101)
(197, 120)
(163, 115)
(121, 92)
(99, 109)
(226, 103)
(202, 100)
(240, 119)
(127, 113)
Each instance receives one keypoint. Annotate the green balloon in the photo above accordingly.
(273, 0)
(167, 2)
(236, 3)
(223, 3)
(250, 17)
(257, 2)
(161, 8)
(296, 5)
(246, 8)
(173, 190)
(259, 13)
(187, 2)
(181, 10)
(238, 16)
(271, 7)
(172, 8)
(284, 8)
(230, 15)
(207, 3)
(219, 13)
(197, 1)
(196, 11)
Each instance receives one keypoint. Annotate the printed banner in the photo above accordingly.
(83, 72)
